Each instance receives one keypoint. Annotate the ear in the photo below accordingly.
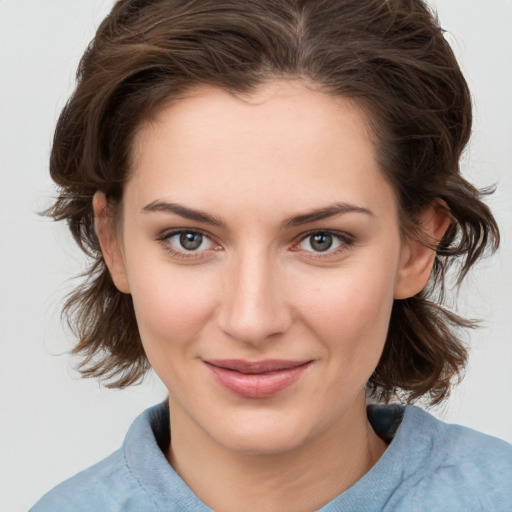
(418, 256)
(109, 241)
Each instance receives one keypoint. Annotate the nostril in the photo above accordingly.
(253, 307)
(254, 324)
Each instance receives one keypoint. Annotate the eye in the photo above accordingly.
(324, 242)
(187, 242)
(319, 242)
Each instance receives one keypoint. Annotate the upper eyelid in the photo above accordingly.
(163, 238)
(167, 233)
(347, 240)
(340, 234)
(182, 254)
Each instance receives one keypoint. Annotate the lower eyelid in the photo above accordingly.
(345, 241)
(174, 250)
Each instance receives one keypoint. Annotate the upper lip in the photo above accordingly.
(268, 365)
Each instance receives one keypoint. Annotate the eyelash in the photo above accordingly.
(345, 241)
(165, 237)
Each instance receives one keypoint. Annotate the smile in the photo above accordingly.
(260, 379)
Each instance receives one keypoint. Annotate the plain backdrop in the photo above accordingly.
(52, 423)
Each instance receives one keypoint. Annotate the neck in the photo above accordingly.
(301, 479)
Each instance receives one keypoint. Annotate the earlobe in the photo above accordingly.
(418, 255)
(109, 242)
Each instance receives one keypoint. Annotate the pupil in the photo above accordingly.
(191, 241)
(321, 242)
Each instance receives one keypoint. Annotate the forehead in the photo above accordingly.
(286, 141)
(294, 110)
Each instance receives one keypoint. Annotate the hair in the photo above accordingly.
(389, 56)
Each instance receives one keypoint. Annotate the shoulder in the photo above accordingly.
(455, 445)
(116, 483)
(135, 478)
(108, 486)
(459, 465)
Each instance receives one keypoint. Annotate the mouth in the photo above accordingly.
(256, 379)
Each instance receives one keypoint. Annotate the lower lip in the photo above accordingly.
(257, 385)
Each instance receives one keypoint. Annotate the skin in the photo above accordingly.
(256, 289)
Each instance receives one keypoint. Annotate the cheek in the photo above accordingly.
(171, 305)
(351, 311)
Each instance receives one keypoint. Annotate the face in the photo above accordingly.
(261, 245)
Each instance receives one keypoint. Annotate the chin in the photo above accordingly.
(263, 437)
(262, 445)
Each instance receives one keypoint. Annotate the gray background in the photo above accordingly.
(53, 424)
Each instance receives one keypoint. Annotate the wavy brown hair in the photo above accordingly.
(389, 56)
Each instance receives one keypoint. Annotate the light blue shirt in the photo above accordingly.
(429, 466)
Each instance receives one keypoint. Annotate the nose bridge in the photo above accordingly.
(254, 306)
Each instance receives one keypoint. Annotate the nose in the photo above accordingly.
(254, 308)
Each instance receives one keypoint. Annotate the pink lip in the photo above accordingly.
(259, 379)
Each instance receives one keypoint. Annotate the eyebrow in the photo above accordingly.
(297, 220)
(182, 211)
(325, 213)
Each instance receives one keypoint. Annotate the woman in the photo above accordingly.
(270, 193)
